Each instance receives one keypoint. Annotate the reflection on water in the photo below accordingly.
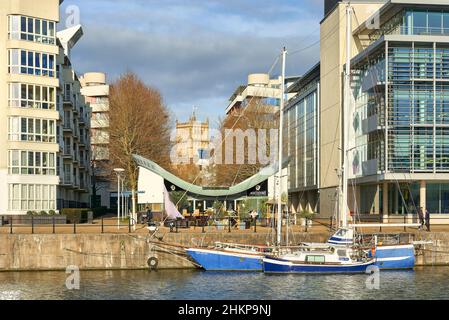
(425, 283)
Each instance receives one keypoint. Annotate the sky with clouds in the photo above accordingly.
(196, 52)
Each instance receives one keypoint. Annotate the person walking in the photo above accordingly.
(427, 220)
(149, 215)
(421, 217)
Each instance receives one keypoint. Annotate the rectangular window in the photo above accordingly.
(31, 63)
(32, 130)
(435, 22)
(32, 163)
(14, 27)
(31, 96)
(23, 197)
(420, 22)
(31, 29)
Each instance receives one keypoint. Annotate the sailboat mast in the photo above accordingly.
(346, 107)
(281, 128)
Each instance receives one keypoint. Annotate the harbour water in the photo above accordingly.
(423, 283)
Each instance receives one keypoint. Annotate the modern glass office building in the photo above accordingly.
(400, 124)
(301, 141)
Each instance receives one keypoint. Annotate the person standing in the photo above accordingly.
(149, 215)
(427, 220)
(421, 217)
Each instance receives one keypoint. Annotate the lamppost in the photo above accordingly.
(118, 172)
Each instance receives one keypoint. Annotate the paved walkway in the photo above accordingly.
(110, 226)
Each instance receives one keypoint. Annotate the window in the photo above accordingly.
(435, 21)
(32, 163)
(420, 22)
(31, 29)
(32, 130)
(315, 259)
(22, 197)
(31, 63)
(32, 96)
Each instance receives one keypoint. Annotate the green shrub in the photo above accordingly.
(75, 215)
(98, 212)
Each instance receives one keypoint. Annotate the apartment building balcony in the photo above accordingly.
(67, 180)
(67, 153)
(67, 127)
(82, 165)
(82, 142)
(100, 107)
(99, 123)
(68, 100)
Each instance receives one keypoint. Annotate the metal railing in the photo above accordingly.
(56, 225)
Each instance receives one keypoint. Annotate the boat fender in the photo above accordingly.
(153, 263)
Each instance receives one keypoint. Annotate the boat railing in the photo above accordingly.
(246, 247)
(378, 239)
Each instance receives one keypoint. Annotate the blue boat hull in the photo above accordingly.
(273, 265)
(216, 260)
(395, 257)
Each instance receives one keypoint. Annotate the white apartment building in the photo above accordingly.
(259, 90)
(36, 68)
(96, 93)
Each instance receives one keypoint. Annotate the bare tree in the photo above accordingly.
(138, 124)
(256, 116)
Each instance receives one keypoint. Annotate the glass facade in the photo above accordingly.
(416, 22)
(401, 115)
(301, 118)
(417, 112)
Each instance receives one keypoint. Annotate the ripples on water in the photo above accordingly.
(425, 283)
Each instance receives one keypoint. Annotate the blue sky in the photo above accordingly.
(196, 52)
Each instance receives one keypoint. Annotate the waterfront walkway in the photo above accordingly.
(109, 226)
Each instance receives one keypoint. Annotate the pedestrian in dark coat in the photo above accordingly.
(421, 217)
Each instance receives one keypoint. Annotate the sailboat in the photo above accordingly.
(342, 254)
(317, 258)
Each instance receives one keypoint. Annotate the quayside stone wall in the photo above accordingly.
(121, 251)
(110, 251)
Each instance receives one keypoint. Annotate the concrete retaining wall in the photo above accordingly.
(109, 251)
(436, 252)
(114, 251)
